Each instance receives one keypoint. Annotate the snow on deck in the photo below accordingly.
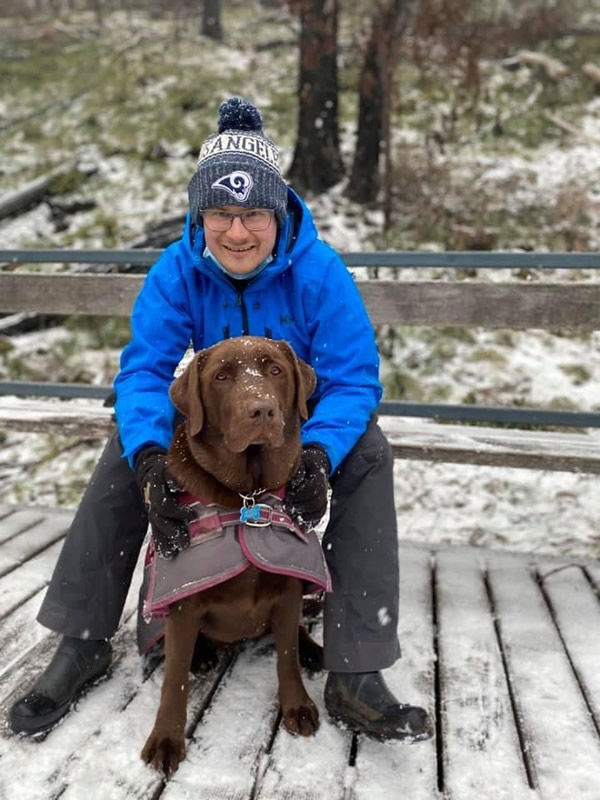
(502, 649)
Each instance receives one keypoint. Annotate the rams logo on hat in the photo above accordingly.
(238, 183)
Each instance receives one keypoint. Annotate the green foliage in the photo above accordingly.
(560, 403)
(5, 345)
(490, 354)
(399, 385)
(66, 182)
(101, 332)
(578, 373)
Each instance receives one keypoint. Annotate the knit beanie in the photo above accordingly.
(238, 165)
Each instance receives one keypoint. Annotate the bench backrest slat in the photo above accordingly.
(570, 306)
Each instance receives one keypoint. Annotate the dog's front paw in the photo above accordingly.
(164, 752)
(302, 719)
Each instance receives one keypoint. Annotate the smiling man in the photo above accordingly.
(249, 262)
(241, 242)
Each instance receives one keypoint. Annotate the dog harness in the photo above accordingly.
(224, 543)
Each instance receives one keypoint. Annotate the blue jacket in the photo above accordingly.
(305, 295)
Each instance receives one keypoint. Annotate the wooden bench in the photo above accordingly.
(545, 305)
(500, 648)
(410, 439)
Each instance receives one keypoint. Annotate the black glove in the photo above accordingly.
(306, 492)
(168, 519)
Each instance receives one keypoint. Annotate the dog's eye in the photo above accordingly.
(275, 370)
(221, 376)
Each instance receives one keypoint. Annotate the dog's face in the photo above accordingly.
(247, 390)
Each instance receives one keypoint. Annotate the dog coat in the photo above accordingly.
(223, 544)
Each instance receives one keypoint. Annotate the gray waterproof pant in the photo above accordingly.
(92, 576)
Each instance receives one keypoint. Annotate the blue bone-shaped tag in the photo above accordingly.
(251, 513)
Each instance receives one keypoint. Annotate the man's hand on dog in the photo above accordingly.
(167, 517)
(306, 492)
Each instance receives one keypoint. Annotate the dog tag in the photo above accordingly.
(251, 511)
(249, 514)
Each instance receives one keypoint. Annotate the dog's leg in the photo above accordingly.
(165, 747)
(300, 714)
(205, 655)
(310, 654)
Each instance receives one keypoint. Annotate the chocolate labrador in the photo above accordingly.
(243, 401)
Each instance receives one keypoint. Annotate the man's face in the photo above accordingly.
(239, 250)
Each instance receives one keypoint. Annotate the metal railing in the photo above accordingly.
(459, 259)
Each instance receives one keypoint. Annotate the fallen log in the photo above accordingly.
(591, 71)
(553, 68)
(564, 125)
(37, 190)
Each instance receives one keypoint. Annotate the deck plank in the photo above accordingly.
(593, 573)
(72, 758)
(71, 743)
(576, 609)
(479, 736)
(233, 736)
(26, 646)
(283, 771)
(397, 769)
(20, 585)
(32, 540)
(19, 632)
(546, 610)
(561, 740)
(295, 770)
(125, 775)
(17, 521)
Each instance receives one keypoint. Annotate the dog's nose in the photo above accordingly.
(261, 410)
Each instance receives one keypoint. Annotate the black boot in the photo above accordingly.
(76, 663)
(364, 703)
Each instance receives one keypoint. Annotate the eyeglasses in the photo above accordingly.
(257, 219)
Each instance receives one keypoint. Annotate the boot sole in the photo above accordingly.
(371, 728)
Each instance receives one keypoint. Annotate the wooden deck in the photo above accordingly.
(504, 650)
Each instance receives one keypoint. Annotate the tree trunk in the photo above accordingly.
(97, 4)
(374, 101)
(317, 164)
(211, 20)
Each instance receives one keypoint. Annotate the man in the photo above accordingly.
(249, 262)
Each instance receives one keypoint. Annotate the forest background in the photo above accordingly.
(423, 125)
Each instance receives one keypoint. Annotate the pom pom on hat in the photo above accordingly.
(238, 165)
(238, 114)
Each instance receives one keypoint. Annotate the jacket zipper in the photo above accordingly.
(242, 305)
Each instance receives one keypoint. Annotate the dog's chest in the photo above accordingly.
(240, 608)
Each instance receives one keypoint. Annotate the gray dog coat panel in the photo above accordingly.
(221, 547)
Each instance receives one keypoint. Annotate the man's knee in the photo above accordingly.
(371, 456)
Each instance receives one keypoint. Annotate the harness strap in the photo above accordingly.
(216, 518)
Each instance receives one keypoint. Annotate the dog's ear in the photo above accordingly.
(306, 380)
(185, 393)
